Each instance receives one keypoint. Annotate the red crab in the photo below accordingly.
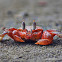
(34, 33)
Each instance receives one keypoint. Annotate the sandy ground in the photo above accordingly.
(48, 17)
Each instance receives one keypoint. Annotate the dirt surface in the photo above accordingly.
(49, 17)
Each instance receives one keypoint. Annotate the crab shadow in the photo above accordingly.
(14, 43)
(30, 42)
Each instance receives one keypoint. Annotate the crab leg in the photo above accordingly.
(2, 35)
(55, 32)
(13, 33)
(8, 32)
(47, 37)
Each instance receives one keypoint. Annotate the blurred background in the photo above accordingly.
(45, 12)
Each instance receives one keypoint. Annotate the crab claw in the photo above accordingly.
(17, 38)
(44, 42)
(47, 37)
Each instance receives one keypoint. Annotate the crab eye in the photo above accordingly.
(31, 30)
(34, 25)
(23, 25)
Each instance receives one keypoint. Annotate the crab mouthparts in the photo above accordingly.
(28, 35)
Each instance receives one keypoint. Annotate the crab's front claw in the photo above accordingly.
(43, 42)
(17, 38)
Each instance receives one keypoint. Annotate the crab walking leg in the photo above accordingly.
(47, 37)
(13, 33)
(55, 32)
(8, 32)
(2, 35)
(59, 35)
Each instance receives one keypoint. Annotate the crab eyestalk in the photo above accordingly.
(23, 25)
(31, 30)
(34, 25)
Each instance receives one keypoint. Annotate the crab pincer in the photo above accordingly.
(47, 37)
